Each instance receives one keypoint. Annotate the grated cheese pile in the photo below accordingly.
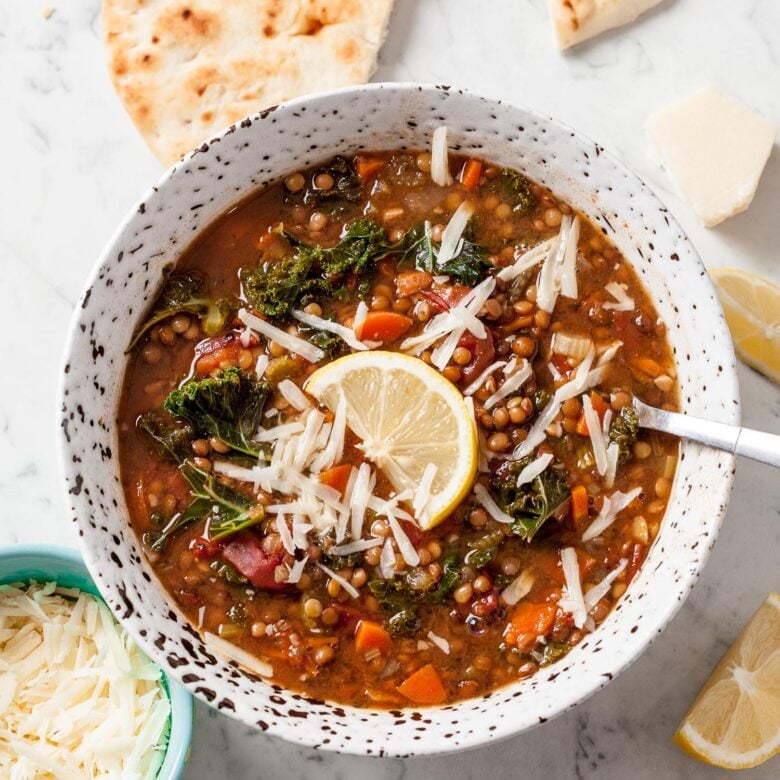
(78, 698)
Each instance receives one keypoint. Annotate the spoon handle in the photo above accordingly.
(764, 447)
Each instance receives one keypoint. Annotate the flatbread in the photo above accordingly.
(575, 21)
(185, 70)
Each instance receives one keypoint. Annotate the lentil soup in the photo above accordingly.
(516, 300)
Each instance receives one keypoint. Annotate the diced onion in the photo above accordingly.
(440, 162)
(519, 588)
(282, 337)
(237, 655)
(571, 345)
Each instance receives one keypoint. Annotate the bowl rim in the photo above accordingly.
(662, 616)
(181, 701)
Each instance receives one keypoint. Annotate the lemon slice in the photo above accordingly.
(735, 721)
(752, 308)
(407, 416)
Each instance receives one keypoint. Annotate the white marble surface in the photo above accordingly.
(72, 164)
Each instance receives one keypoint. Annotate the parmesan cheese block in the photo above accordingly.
(714, 150)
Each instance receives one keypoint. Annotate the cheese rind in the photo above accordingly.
(714, 149)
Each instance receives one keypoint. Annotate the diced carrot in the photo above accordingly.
(529, 618)
(370, 635)
(579, 504)
(599, 405)
(336, 477)
(367, 167)
(383, 326)
(471, 173)
(410, 282)
(648, 366)
(424, 686)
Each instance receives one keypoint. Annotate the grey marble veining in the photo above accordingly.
(73, 164)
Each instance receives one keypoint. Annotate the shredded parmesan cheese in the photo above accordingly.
(354, 547)
(573, 600)
(348, 587)
(343, 332)
(612, 506)
(519, 588)
(526, 260)
(534, 469)
(293, 395)
(618, 292)
(423, 493)
(233, 653)
(481, 379)
(510, 385)
(596, 434)
(361, 313)
(440, 642)
(597, 592)
(78, 699)
(292, 343)
(491, 507)
(297, 570)
(450, 238)
(440, 162)
(387, 560)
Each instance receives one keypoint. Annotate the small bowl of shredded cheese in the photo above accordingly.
(78, 698)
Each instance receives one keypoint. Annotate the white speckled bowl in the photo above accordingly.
(294, 135)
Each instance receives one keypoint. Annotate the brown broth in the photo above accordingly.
(479, 658)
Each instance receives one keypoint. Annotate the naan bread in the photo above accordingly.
(185, 70)
(577, 20)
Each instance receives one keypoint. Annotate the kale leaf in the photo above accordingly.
(347, 188)
(469, 266)
(517, 190)
(532, 503)
(174, 436)
(183, 293)
(554, 651)
(624, 430)
(277, 287)
(226, 510)
(228, 407)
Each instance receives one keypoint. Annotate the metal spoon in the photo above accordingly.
(764, 447)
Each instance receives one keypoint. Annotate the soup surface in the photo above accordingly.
(277, 528)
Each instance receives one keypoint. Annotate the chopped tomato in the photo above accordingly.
(471, 173)
(561, 362)
(415, 534)
(482, 352)
(436, 300)
(424, 686)
(410, 282)
(370, 635)
(383, 326)
(368, 167)
(529, 618)
(246, 555)
(211, 353)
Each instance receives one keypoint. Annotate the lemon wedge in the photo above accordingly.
(752, 308)
(735, 721)
(407, 415)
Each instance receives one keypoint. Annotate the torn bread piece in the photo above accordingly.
(714, 149)
(575, 21)
(186, 70)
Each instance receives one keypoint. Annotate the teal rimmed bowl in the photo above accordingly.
(44, 563)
